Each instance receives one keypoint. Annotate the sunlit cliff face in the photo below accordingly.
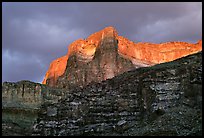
(84, 49)
(156, 53)
(147, 53)
(56, 69)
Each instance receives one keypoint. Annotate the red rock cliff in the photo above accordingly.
(156, 53)
(140, 54)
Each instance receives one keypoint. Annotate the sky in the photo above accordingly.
(34, 34)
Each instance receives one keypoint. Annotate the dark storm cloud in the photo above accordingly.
(34, 34)
(17, 65)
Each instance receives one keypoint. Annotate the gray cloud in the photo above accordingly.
(34, 34)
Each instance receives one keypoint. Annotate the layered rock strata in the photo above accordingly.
(165, 99)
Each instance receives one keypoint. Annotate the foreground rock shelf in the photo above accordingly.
(165, 99)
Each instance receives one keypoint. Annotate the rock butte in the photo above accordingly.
(140, 54)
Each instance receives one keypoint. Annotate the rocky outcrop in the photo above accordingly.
(23, 94)
(84, 51)
(28, 95)
(105, 64)
(123, 54)
(164, 99)
(21, 102)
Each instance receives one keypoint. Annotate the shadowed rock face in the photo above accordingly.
(108, 54)
(162, 100)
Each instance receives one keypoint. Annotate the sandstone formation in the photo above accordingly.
(83, 58)
(105, 64)
(156, 53)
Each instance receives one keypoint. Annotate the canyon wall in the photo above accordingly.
(120, 97)
(106, 64)
(162, 100)
(122, 53)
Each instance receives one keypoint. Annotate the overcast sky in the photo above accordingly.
(34, 34)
